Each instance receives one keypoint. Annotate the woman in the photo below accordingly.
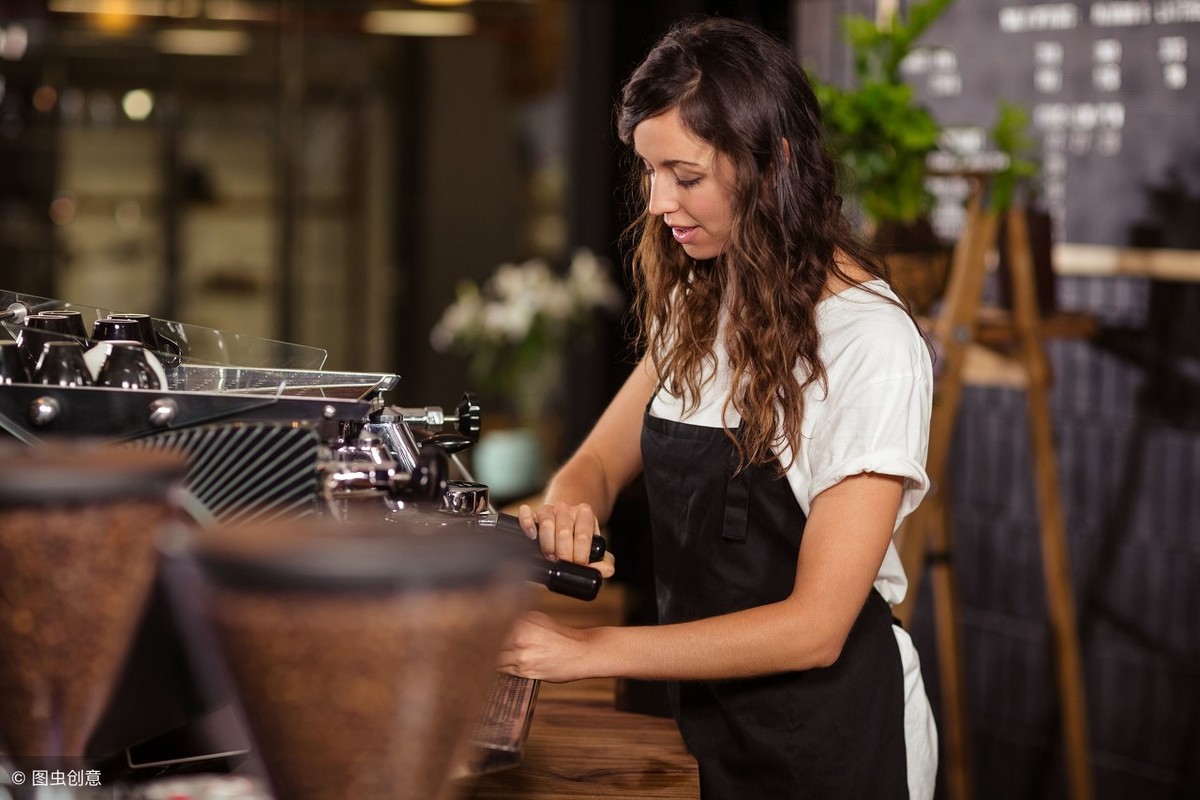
(780, 418)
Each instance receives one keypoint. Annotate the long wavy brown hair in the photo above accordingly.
(741, 91)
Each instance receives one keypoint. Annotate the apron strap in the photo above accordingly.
(737, 505)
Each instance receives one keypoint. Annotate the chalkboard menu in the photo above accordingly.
(1113, 93)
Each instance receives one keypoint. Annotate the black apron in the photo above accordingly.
(726, 542)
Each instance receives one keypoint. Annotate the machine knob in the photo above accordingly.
(467, 418)
(43, 411)
(15, 313)
(470, 416)
(162, 412)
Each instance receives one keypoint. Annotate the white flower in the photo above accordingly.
(509, 322)
(522, 315)
(590, 284)
(507, 282)
(458, 318)
(557, 303)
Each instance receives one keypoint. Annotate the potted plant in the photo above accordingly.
(883, 137)
(1015, 184)
(1010, 138)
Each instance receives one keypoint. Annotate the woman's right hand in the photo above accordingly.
(606, 462)
(564, 533)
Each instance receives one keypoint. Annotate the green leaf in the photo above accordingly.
(1009, 137)
(877, 129)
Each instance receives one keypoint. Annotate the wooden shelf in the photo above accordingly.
(1136, 262)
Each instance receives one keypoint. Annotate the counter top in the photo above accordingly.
(580, 746)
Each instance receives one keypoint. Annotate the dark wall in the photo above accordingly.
(29, 163)
(1111, 89)
(1114, 100)
(459, 193)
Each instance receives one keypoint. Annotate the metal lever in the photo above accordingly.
(450, 443)
(467, 419)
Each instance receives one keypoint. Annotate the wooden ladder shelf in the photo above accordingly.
(925, 539)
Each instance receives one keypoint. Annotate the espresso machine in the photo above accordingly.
(268, 435)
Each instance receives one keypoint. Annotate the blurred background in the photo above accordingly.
(327, 172)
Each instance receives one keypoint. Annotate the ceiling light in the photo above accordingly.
(109, 16)
(419, 23)
(183, 8)
(442, 2)
(202, 42)
(44, 98)
(13, 42)
(139, 8)
(238, 11)
(137, 104)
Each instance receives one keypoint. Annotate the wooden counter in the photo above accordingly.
(580, 746)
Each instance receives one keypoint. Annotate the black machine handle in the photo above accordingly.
(510, 524)
(428, 481)
(562, 577)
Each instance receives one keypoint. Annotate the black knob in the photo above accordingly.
(470, 417)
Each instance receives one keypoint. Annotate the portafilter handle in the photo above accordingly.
(470, 499)
(510, 524)
(561, 577)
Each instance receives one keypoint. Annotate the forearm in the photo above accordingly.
(583, 479)
(758, 641)
(807, 629)
(610, 457)
(779, 637)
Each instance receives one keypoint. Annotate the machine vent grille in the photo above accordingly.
(246, 472)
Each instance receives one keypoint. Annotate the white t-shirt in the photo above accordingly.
(873, 418)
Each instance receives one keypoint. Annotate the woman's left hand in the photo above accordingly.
(540, 647)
